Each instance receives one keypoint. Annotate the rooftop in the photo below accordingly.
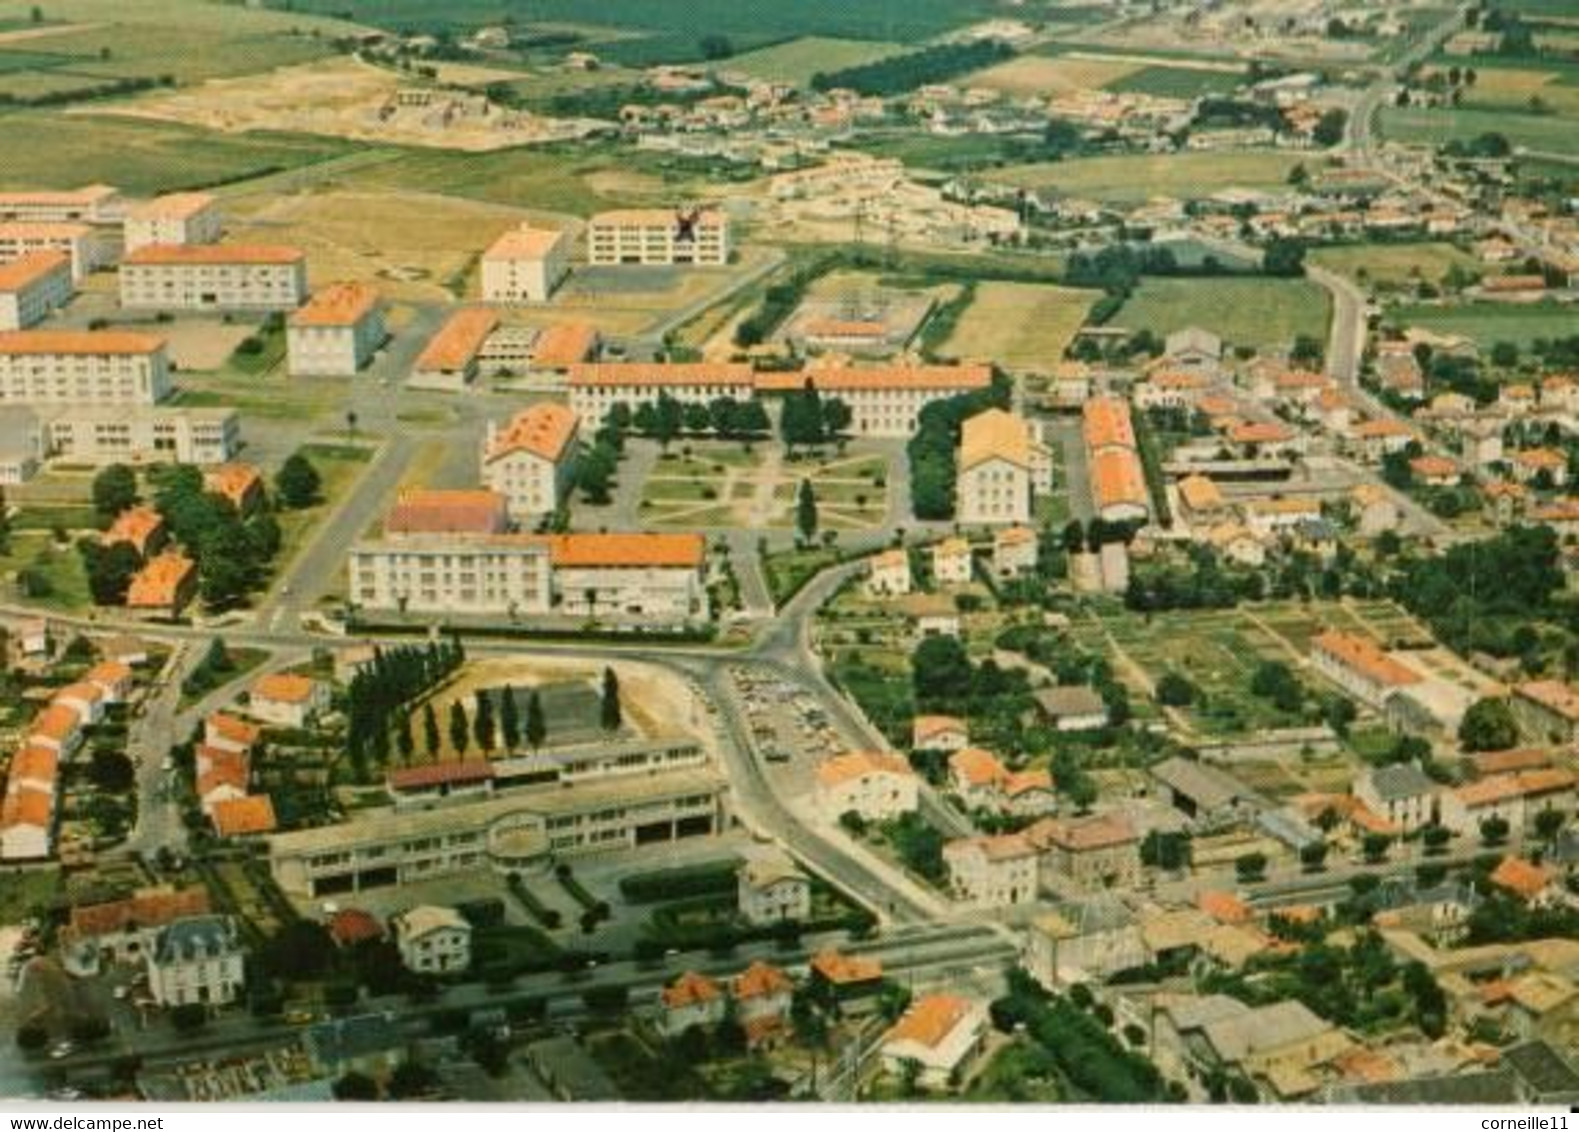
(433, 511)
(526, 242)
(458, 340)
(858, 764)
(212, 255)
(930, 1020)
(339, 304)
(543, 430)
(24, 272)
(79, 342)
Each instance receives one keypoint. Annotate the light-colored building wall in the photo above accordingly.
(658, 237)
(80, 243)
(88, 434)
(335, 351)
(213, 278)
(448, 574)
(181, 218)
(40, 367)
(35, 294)
(525, 266)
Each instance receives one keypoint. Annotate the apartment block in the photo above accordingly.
(240, 277)
(336, 333)
(656, 236)
(80, 242)
(139, 435)
(94, 204)
(992, 872)
(525, 265)
(174, 219)
(659, 578)
(197, 961)
(94, 367)
(596, 388)
(32, 287)
(1360, 667)
(884, 401)
(531, 459)
(451, 359)
(1002, 465)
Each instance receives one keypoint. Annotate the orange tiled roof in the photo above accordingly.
(1505, 762)
(238, 817)
(868, 378)
(1433, 467)
(234, 481)
(762, 980)
(1024, 781)
(352, 925)
(1117, 479)
(843, 969)
(1200, 493)
(146, 908)
(1224, 907)
(171, 206)
(284, 688)
(1523, 878)
(1553, 695)
(1366, 658)
(1077, 835)
(79, 342)
(690, 989)
(1499, 787)
(212, 255)
(222, 768)
(57, 722)
(459, 340)
(1260, 432)
(40, 764)
(24, 272)
(1376, 430)
(233, 730)
(564, 344)
(35, 230)
(27, 807)
(857, 764)
(977, 767)
(930, 1020)
(621, 374)
(158, 585)
(431, 511)
(82, 690)
(543, 430)
(928, 726)
(679, 550)
(1540, 459)
(88, 194)
(1106, 424)
(994, 435)
(525, 242)
(135, 525)
(339, 304)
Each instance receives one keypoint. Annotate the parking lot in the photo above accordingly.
(790, 732)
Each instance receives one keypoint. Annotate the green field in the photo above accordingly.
(1245, 312)
(143, 157)
(799, 59)
(1538, 132)
(1177, 82)
(1489, 323)
(1394, 263)
(1141, 177)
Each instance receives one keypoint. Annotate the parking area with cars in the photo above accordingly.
(790, 731)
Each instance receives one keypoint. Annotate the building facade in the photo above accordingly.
(33, 287)
(659, 237)
(530, 460)
(1002, 465)
(92, 367)
(214, 277)
(525, 265)
(197, 961)
(176, 218)
(336, 333)
(433, 940)
(138, 435)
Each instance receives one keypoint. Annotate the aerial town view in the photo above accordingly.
(853, 551)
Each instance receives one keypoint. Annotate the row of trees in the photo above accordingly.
(933, 449)
(377, 696)
(899, 73)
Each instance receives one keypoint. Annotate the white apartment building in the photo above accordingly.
(1002, 465)
(80, 243)
(433, 940)
(32, 287)
(656, 236)
(769, 888)
(197, 961)
(884, 401)
(655, 577)
(877, 785)
(93, 204)
(128, 434)
(940, 1033)
(531, 459)
(448, 573)
(596, 388)
(1360, 667)
(214, 277)
(525, 265)
(336, 333)
(992, 872)
(174, 219)
(92, 367)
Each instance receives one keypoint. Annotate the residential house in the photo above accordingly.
(433, 940)
(1360, 667)
(940, 1034)
(769, 889)
(287, 700)
(196, 961)
(1515, 798)
(691, 1000)
(1073, 707)
(992, 872)
(1015, 552)
(1400, 793)
(951, 562)
(1547, 711)
(1096, 851)
(889, 573)
(939, 733)
(763, 995)
(876, 785)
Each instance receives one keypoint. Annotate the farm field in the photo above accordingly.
(1165, 81)
(1052, 75)
(1541, 133)
(1489, 323)
(1394, 264)
(799, 59)
(1138, 178)
(1019, 326)
(1256, 312)
(144, 157)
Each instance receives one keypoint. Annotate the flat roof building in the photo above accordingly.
(697, 237)
(140, 434)
(525, 265)
(93, 204)
(173, 219)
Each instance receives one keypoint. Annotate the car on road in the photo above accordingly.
(62, 1050)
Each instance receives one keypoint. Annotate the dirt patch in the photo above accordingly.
(203, 344)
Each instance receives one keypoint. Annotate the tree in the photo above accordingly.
(1435, 838)
(1329, 128)
(536, 724)
(110, 569)
(111, 771)
(298, 482)
(1374, 846)
(806, 511)
(114, 490)
(1284, 257)
(355, 1086)
(31, 1037)
(405, 743)
(430, 730)
(716, 47)
(509, 719)
(411, 1079)
(1250, 867)
(940, 669)
(1548, 824)
(1313, 857)
(1174, 690)
(611, 714)
(226, 566)
(1488, 725)
(482, 723)
(460, 729)
(1494, 831)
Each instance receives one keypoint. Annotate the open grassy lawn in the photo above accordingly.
(1019, 326)
(720, 484)
(338, 466)
(1544, 133)
(26, 891)
(1490, 323)
(1248, 312)
(1178, 82)
(143, 157)
(1052, 75)
(59, 569)
(1394, 263)
(799, 59)
(1136, 178)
